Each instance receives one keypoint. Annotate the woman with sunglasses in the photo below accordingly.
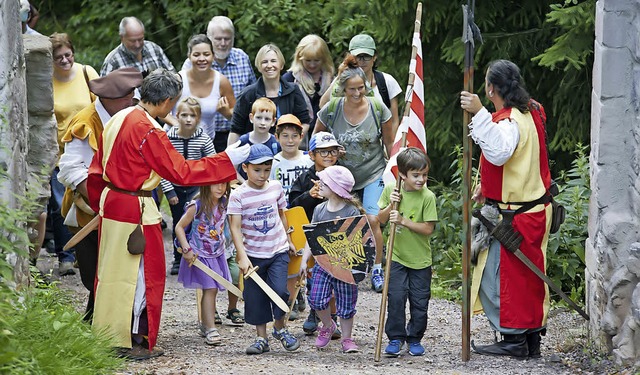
(383, 85)
(70, 95)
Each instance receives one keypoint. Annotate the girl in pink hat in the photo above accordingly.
(335, 186)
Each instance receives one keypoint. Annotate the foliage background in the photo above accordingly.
(550, 40)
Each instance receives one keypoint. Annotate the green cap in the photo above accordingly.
(362, 43)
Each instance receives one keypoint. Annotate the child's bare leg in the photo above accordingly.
(325, 317)
(347, 327)
(208, 303)
(261, 330)
(233, 301)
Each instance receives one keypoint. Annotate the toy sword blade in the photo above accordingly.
(251, 273)
(527, 262)
(214, 275)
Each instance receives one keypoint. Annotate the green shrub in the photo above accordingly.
(41, 333)
(565, 251)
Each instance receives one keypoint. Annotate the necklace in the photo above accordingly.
(144, 109)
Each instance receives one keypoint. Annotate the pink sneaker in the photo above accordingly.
(324, 335)
(348, 346)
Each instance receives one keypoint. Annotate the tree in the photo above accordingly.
(550, 40)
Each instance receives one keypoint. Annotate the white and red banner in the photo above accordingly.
(413, 124)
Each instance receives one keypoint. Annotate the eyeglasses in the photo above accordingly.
(364, 57)
(60, 58)
(325, 153)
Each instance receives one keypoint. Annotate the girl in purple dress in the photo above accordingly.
(205, 216)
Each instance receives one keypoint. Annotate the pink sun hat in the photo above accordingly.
(338, 179)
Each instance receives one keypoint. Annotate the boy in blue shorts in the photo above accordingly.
(410, 273)
(258, 228)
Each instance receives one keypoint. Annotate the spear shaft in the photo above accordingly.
(392, 227)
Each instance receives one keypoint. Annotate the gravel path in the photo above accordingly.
(186, 352)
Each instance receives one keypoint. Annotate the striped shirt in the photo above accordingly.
(194, 148)
(239, 72)
(262, 229)
(153, 57)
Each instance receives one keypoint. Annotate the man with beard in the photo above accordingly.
(134, 51)
(233, 63)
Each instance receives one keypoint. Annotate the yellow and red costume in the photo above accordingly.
(524, 177)
(133, 155)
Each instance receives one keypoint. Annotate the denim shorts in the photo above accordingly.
(259, 309)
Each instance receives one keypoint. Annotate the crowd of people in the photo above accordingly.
(231, 153)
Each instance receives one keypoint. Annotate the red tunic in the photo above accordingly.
(524, 177)
(134, 153)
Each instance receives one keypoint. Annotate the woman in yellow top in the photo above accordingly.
(70, 89)
(70, 95)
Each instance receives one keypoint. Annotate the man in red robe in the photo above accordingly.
(133, 155)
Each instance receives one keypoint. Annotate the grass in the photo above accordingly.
(41, 333)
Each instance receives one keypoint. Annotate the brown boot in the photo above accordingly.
(511, 345)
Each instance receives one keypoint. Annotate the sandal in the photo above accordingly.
(236, 317)
(218, 319)
(212, 337)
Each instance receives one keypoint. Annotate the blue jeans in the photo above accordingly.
(61, 234)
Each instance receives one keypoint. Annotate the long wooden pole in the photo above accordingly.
(466, 193)
(392, 227)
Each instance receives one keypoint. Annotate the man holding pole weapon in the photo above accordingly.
(514, 181)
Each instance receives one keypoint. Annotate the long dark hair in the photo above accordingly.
(507, 81)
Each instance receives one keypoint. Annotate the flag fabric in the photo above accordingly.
(413, 124)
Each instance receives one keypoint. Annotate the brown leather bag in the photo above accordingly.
(136, 241)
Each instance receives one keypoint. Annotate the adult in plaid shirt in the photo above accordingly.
(233, 63)
(134, 51)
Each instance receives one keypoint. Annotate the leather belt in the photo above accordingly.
(138, 193)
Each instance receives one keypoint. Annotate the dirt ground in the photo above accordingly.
(186, 353)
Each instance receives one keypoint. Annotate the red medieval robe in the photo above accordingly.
(525, 177)
(134, 153)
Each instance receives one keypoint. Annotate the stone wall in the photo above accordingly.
(612, 249)
(28, 147)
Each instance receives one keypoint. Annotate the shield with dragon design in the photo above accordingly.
(345, 247)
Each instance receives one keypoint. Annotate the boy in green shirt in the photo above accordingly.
(410, 273)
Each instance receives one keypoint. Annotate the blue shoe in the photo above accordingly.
(260, 346)
(310, 325)
(416, 349)
(289, 341)
(393, 349)
(377, 280)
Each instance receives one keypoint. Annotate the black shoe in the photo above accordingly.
(175, 268)
(163, 224)
(511, 345)
(533, 343)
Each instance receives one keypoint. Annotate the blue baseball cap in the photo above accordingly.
(323, 140)
(258, 154)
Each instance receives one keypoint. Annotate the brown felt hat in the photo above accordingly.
(117, 84)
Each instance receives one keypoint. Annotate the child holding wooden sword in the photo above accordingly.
(206, 217)
(258, 228)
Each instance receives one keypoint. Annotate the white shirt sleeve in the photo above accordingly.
(74, 163)
(392, 85)
(498, 141)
